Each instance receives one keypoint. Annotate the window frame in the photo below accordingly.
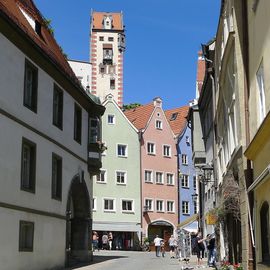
(126, 150)
(32, 166)
(162, 204)
(58, 106)
(109, 210)
(22, 240)
(77, 135)
(94, 204)
(152, 204)
(31, 101)
(173, 182)
(184, 159)
(151, 176)
(152, 148)
(125, 177)
(167, 150)
(173, 206)
(113, 119)
(159, 125)
(132, 206)
(104, 172)
(185, 182)
(187, 207)
(162, 178)
(57, 195)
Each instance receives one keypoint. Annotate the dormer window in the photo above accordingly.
(107, 22)
(173, 116)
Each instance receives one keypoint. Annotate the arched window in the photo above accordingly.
(265, 237)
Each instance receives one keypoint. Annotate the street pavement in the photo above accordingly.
(137, 260)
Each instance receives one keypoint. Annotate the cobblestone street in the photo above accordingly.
(129, 260)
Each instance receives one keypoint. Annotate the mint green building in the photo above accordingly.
(116, 190)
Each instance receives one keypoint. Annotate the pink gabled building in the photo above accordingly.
(159, 175)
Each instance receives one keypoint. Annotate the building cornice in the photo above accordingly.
(261, 137)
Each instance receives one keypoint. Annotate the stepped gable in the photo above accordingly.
(140, 116)
(98, 17)
(44, 40)
(177, 118)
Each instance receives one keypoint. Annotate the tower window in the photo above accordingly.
(107, 54)
(110, 38)
(101, 38)
(112, 83)
(102, 69)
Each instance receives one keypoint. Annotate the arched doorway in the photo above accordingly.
(161, 228)
(78, 222)
(264, 217)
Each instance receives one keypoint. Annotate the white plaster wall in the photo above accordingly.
(84, 70)
(49, 233)
(103, 81)
(49, 242)
(12, 83)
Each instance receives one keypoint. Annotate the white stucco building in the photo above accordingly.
(47, 158)
(83, 71)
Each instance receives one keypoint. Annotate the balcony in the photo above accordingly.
(94, 156)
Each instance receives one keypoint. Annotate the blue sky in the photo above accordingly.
(163, 38)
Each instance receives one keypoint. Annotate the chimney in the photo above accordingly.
(157, 101)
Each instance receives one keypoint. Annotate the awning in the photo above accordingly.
(188, 221)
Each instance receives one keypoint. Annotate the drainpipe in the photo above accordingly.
(249, 177)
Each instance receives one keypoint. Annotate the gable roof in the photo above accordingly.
(109, 99)
(45, 41)
(24, 16)
(179, 122)
(97, 20)
(140, 116)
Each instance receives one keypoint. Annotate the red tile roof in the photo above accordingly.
(46, 42)
(140, 116)
(180, 121)
(117, 20)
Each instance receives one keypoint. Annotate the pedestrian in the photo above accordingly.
(199, 247)
(172, 246)
(105, 241)
(157, 242)
(211, 246)
(162, 248)
(95, 241)
(110, 239)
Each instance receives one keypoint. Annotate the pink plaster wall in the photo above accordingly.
(159, 163)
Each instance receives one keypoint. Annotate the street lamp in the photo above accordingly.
(207, 173)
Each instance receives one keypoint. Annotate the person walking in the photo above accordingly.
(95, 241)
(110, 239)
(172, 246)
(105, 241)
(157, 242)
(199, 247)
(211, 246)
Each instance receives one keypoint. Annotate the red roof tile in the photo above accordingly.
(140, 116)
(117, 20)
(179, 121)
(45, 41)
